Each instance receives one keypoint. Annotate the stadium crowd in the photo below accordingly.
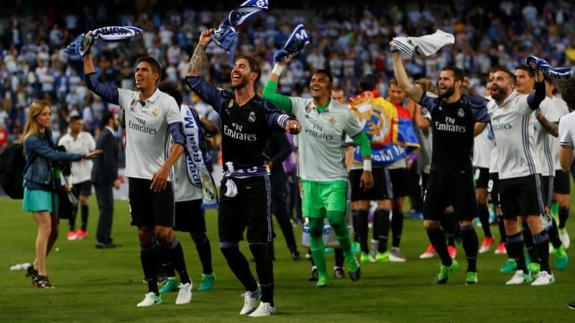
(350, 42)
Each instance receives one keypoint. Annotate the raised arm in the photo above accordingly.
(535, 98)
(199, 57)
(270, 89)
(550, 127)
(109, 93)
(412, 91)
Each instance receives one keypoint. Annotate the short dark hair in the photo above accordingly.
(74, 118)
(368, 82)
(530, 71)
(171, 89)
(254, 65)
(105, 118)
(458, 74)
(156, 68)
(504, 70)
(326, 73)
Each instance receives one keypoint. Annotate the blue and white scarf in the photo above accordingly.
(294, 45)
(225, 35)
(198, 172)
(561, 73)
(83, 42)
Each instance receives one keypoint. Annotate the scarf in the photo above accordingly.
(561, 73)
(198, 172)
(425, 45)
(225, 35)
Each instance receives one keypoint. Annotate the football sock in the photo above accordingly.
(484, 218)
(470, 245)
(239, 265)
(381, 224)
(360, 226)
(437, 239)
(265, 270)
(316, 246)
(541, 244)
(148, 259)
(514, 246)
(175, 254)
(563, 215)
(204, 252)
(337, 221)
(396, 227)
(84, 211)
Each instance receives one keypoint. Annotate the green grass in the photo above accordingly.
(95, 285)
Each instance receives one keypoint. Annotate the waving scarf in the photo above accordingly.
(198, 172)
(561, 73)
(225, 35)
(83, 42)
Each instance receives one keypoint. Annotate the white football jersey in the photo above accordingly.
(147, 131)
(513, 150)
(83, 143)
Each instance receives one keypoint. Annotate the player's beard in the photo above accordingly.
(498, 93)
(448, 92)
(242, 82)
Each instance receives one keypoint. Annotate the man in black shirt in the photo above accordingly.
(455, 119)
(247, 121)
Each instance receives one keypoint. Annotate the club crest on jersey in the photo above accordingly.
(308, 108)
(155, 111)
(252, 117)
(332, 121)
(460, 113)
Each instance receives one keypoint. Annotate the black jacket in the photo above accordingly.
(105, 170)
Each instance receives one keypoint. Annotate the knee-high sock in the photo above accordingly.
(563, 215)
(175, 254)
(265, 270)
(337, 222)
(396, 227)
(528, 240)
(316, 246)
(541, 244)
(437, 239)
(514, 246)
(164, 263)
(204, 252)
(449, 224)
(148, 259)
(338, 255)
(553, 234)
(360, 226)
(381, 222)
(470, 245)
(484, 218)
(72, 219)
(239, 265)
(84, 211)
(501, 226)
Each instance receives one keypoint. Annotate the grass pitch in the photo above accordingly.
(94, 285)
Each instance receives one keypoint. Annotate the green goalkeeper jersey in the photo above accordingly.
(321, 142)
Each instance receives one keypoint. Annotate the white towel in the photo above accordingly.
(425, 45)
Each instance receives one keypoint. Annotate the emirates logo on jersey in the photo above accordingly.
(252, 117)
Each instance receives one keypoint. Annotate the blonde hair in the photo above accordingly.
(32, 127)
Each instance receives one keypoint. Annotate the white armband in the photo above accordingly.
(278, 69)
(367, 165)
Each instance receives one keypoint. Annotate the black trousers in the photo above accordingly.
(105, 197)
